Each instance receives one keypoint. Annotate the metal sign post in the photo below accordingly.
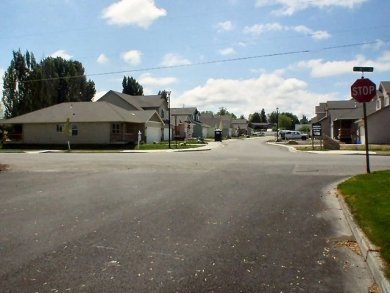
(364, 90)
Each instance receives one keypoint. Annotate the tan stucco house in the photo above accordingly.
(91, 123)
(149, 102)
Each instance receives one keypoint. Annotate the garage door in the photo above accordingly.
(153, 134)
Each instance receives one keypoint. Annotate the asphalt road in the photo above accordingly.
(245, 217)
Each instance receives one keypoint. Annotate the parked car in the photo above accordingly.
(290, 134)
(258, 133)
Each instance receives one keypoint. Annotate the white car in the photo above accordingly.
(290, 134)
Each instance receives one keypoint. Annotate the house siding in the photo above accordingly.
(378, 132)
(88, 133)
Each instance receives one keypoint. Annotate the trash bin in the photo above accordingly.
(218, 135)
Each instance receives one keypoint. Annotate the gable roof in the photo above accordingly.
(384, 86)
(83, 112)
(140, 102)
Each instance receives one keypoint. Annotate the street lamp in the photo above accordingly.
(277, 124)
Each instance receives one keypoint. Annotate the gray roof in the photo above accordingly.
(140, 102)
(210, 120)
(384, 86)
(239, 121)
(349, 104)
(183, 111)
(83, 112)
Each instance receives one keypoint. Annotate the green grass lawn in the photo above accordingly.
(368, 197)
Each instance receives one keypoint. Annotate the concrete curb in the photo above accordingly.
(289, 147)
(370, 252)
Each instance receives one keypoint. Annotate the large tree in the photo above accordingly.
(255, 118)
(29, 86)
(16, 88)
(132, 87)
(263, 117)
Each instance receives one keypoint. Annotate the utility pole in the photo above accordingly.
(169, 117)
(277, 124)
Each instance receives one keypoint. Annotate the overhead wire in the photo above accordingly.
(216, 61)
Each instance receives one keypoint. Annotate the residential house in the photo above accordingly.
(225, 125)
(337, 118)
(240, 127)
(212, 121)
(187, 123)
(378, 120)
(91, 123)
(149, 102)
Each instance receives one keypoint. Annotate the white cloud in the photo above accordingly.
(259, 29)
(98, 95)
(133, 12)
(227, 51)
(102, 59)
(171, 59)
(289, 7)
(148, 79)
(267, 91)
(376, 46)
(224, 26)
(321, 68)
(132, 57)
(318, 35)
(61, 53)
(2, 71)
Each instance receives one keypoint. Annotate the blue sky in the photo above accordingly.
(290, 54)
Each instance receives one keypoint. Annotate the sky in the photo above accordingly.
(243, 55)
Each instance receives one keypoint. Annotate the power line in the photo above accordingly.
(214, 61)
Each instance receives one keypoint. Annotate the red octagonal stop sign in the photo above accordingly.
(363, 90)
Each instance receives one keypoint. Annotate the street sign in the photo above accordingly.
(363, 90)
(316, 129)
(363, 69)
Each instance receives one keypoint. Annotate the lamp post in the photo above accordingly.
(277, 124)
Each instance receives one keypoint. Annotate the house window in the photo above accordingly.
(116, 128)
(60, 128)
(386, 101)
(75, 130)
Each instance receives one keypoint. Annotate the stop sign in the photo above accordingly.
(363, 90)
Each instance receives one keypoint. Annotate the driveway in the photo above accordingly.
(244, 217)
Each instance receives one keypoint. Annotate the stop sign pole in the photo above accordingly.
(364, 90)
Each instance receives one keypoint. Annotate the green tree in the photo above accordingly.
(16, 90)
(59, 80)
(285, 121)
(263, 117)
(132, 87)
(29, 86)
(273, 117)
(223, 111)
(255, 118)
(304, 120)
(242, 117)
